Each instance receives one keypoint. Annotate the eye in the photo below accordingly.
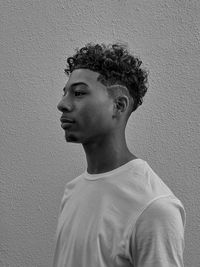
(79, 93)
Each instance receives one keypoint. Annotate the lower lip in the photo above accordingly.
(65, 125)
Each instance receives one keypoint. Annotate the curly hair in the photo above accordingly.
(115, 65)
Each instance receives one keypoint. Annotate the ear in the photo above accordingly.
(121, 104)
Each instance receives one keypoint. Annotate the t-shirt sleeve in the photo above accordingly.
(157, 239)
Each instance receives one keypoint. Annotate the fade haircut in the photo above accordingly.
(115, 65)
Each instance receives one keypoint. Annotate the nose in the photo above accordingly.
(64, 105)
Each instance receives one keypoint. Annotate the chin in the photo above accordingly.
(73, 138)
(70, 138)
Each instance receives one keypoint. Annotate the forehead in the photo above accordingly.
(83, 75)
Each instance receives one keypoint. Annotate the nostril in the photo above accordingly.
(63, 106)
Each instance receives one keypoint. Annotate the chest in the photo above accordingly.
(92, 224)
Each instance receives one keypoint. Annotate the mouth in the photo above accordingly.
(66, 122)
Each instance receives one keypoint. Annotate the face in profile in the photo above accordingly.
(87, 108)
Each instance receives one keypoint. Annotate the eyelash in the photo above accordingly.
(76, 93)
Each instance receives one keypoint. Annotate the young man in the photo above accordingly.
(118, 213)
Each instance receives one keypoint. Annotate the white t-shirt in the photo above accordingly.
(121, 218)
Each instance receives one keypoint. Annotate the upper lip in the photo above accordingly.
(66, 119)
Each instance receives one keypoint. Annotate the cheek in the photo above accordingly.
(97, 116)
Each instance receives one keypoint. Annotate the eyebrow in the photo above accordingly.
(75, 84)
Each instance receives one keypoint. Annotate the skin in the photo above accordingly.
(100, 116)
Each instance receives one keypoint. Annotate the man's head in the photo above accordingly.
(115, 65)
(105, 85)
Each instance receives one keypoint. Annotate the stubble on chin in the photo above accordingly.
(71, 138)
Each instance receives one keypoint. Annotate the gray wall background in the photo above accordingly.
(36, 163)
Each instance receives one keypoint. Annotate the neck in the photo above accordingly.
(107, 154)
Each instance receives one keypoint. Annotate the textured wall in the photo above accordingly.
(36, 37)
